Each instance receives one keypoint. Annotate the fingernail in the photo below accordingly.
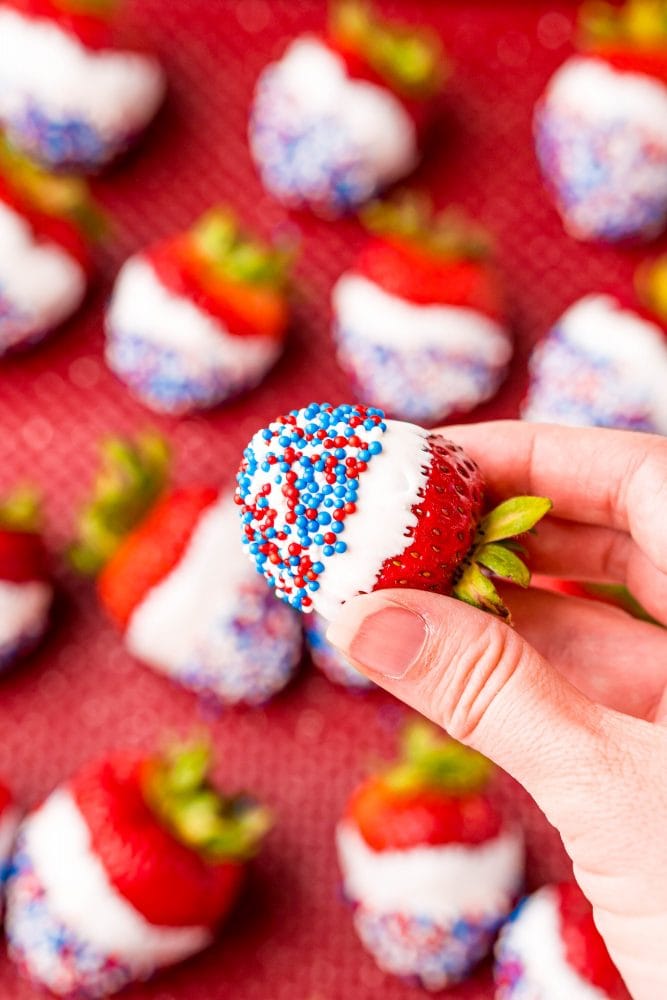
(387, 642)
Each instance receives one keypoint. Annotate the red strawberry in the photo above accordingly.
(428, 862)
(585, 950)
(176, 865)
(234, 279)
(154, 856)
(448, 513)
(150, 552)
(310, 472)
(434, 795)
(427, 258)
(131, 533)
(23, 556)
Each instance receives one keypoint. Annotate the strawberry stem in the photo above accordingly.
(409, 59)
(410, 216)
(219, 239)
(431, 759)
(21, 511)
(495, 551)
(131, 478)
(221, 828)
(60, 195)
(641, 24)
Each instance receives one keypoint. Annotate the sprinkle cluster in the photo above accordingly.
(47, 950)
(298, 482)
(436, 953)
(572, 385)
(609, 177)
(423, 385)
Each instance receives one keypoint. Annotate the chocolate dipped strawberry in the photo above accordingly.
(47, 225)
(26, 590)
(428, 860)
(198, 318)
(172, 576)
(340, 116)
(69, 96)
(337, 501)
(419, 316)
(601, 365)
(551, 950)
(601, 125)
(128, 867)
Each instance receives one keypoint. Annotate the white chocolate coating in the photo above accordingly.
(310, 85)
(40, 63)
(593, 88)
(534, 937)
(436, 882)
(24, 609)
(80, 894)
(143, 307)
(41, 281)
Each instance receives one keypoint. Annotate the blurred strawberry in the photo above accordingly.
(418, 318)
(71, 98)
(173, 578)
(339, 117)
(150, 859)
(429, 861)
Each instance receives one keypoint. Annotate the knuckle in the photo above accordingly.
(464, 686)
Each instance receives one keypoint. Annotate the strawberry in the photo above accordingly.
(428, 860)
(173, 579)
(47, 225)
(571, 954)
(71, 98)
(403, 506)
(198, 318)
(153, 847)
(600, 365)
(599, 127)
(342, 115)
(26, 591)
(418, 317)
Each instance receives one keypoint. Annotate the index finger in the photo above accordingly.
(595, 476)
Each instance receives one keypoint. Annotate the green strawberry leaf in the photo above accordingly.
(431, 759)
(177, 789)
(513, 517)
(476, 589)
(503, 563)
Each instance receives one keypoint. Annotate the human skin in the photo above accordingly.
(572, 701)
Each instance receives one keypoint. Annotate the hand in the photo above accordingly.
(573, 701)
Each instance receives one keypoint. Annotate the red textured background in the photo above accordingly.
(81, 694)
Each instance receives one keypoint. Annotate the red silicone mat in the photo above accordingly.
(81, 694)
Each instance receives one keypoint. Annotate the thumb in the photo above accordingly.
(596, 774)
(478, 679)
